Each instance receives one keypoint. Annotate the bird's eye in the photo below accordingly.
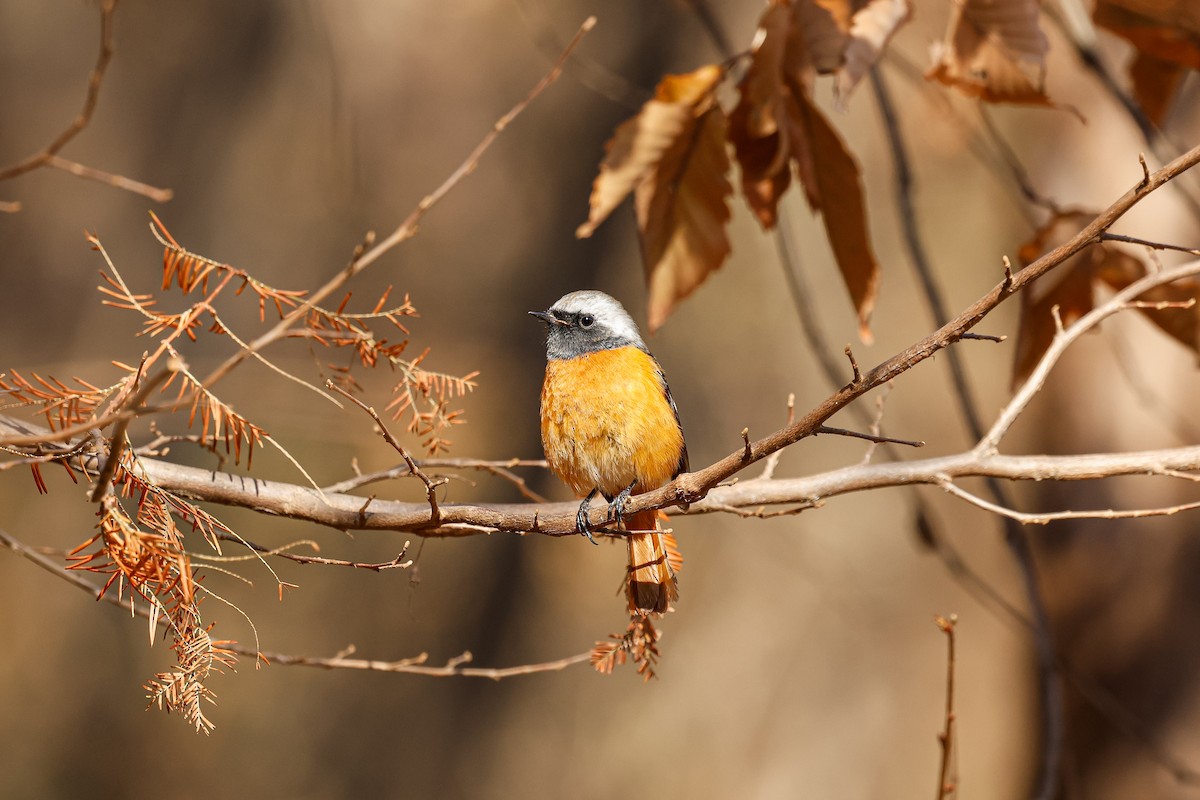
(587, 321)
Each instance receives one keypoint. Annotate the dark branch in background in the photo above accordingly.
(1049, 688)
(712, 26)
(1016, 169)
(48, 155)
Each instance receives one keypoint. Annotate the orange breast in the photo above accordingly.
(606, 422)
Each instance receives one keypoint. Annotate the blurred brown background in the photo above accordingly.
(803, 660)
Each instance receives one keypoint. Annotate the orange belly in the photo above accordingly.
(606, 422)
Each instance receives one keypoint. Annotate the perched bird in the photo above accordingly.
(609, 426)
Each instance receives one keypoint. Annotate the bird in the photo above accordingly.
(610, 427)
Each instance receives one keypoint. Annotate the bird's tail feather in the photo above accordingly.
(654, 561)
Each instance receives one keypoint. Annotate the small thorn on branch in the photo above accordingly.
(857, 379)
(1145, 172)
(746, 452)
(1058, 323)
(985, 337)
(1007, 286)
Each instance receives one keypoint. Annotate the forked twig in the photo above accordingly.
(431, 485)
(48, 155)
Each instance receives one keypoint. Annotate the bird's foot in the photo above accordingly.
(581, 518)
(616, 507)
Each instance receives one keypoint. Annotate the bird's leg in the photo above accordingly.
(581, 517)
(616, 507)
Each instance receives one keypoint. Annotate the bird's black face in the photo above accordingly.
(576, 333)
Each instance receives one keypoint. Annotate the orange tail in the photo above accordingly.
(652, 585)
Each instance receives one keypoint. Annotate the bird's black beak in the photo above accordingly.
(547, 317)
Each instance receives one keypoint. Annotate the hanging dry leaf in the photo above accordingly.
(672, 157)
(776, 128)
(682, 215)
(1166, 34)
(637, 148)
(994, 50)
(1073, 287)
(844, 212)
(870, 30)
(762, 126)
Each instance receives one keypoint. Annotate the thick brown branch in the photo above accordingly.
(346, 512)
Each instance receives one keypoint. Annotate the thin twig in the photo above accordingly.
(870, 437)
(48, 155)
(502, 469)
(399, 562)
(417, 665)
(1045, 518)
(431, 485)
(408, 228)
(117, 440)
(412, 666)
(857, 379)
(40, 158)
(118, 181)
(1118, 237)
(947, 785)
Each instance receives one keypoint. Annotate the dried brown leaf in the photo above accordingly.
(776, 128)
(822, 30)
(844, 212)
(671, 156)
(871, 29)
(1072, 289)
(765, 127)
(1166, 34)
(682, 216)
(994, 50)
(637, 149)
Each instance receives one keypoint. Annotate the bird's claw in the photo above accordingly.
(581, 519)
(616, 508)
